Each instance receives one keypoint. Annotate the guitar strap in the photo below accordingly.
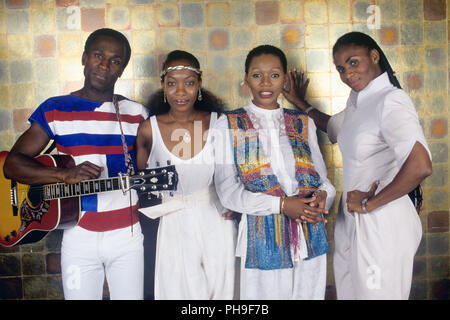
(128, 160)
(50, 149)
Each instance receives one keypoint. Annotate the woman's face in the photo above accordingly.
(357, 66)
(266, 78)
(181, 86)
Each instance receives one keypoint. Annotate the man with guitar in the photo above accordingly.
(98, 129)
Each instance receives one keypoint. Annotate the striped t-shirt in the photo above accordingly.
(89, 131)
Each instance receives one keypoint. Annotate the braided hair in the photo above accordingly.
(363, 40)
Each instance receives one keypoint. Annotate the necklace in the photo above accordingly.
(187, 135)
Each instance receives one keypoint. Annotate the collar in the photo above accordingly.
(374, 87)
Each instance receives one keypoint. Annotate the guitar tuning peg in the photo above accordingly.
(160, 196)
(168, 162)
(171, 194)
(157, 163)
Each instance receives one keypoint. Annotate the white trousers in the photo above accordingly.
(374, 252)
(306, 281)
(88, 256)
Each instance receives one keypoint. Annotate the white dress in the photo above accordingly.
(307, 279)
(374, 252)
(195, 244)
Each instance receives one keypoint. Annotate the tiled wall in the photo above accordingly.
(40, 56)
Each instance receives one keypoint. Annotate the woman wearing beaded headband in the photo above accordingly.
(195, 244)
(386, 156)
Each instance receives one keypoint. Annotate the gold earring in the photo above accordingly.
(165, 100)
(200, 98)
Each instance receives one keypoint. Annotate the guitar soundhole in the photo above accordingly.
(32, 209)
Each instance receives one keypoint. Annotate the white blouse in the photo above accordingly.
(375, 132)
(276, 146)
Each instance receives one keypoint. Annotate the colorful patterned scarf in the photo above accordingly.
(271, 238)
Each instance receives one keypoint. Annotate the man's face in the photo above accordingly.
(103, 63)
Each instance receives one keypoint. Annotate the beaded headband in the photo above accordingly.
(170, 69)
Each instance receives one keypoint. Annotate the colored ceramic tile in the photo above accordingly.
(336, 31)
(167, 15)
(438, 221)
(17, 4)
(315, 12)
(67, 3)
(145, 66)
(434, 9)
(70, 69)
(267, 12)
(92, 3)
(438, 128)
(434, 32)
(436, 80)
(144, 42)
(4, 74)
(169, 39)
(436, 57)
(389, 10)
(291, 12)
(195, 38)
(268, 35)
(5, 123)
(292, 36)
(316, 36)
(21, 71)
(411, 34)
(92, 19)
(389, 36)
(439, 152)
(360, 9)
(191, 15)
(69, 45)
(142, 17)
(242, 38)
(217, 14)
(412, 57)
(118, 17)
(439, 177)
(414, 80)
(218, 39)
(43, 20)
(44, 46)
(411, 9)
(242, 13)
(17, 21)
(317, 60)
(339, 11)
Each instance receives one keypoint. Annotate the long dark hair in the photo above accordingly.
(363, 40)
(209, 102)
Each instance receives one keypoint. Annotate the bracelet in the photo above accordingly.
(282, 204)
(363, 205)
(309, 109)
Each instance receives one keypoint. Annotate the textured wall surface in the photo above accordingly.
(41, 43)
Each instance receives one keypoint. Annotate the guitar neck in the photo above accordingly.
(83, 188)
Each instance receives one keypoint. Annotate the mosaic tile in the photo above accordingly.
(218, 63)
(291, 12)
(144, 42)
(315, 12)
(34, 287)
(292, 36)
(242, 38)
(319, 85)
(5, 123)
(268, 35)
(360, 10)
(436, 57)
(336, 31)
(389, 10)
(92, 19)
(69, 45)
(140, 1)
(68, 19)
(439, 177)
(167, 15)
(438, 128)
(436, 80)
(118, 17)
(195, 38)
(66, 3)
(434, 32)
(17, 4)
(414, 80)
(339, 11)
(267, 12)
(144, 66)
(218, 14)
(43, 20)
(411, 34)
(439, 152)
(4, 78)
(317, 60)
(45, 90)
(32, 264)
(440, 289)
(191, 15)
(242, 13)
(438, 221)
(17, 21)
(218, 39)
(439, 267)
(412, 57)
(168, 39)
(439, 201)
(419, 290)
(11, 288)
(316, 36)
(434, 9)
(70, 69)
(411, 9)
(4, 101)
(388, 36)
(21, 71)
(142, 17)
(20, 117)
(10, 265)
(54, 288)
(44, 46)
(296, 58)
(92, 3)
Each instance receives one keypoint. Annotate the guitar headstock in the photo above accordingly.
(156, 179)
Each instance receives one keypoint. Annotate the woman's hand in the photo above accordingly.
(355, 198)
(301, 209)
(296, 91)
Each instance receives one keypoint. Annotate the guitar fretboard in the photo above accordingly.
(63, 190)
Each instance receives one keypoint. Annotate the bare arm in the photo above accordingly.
(144, 143)
(296, 95)
(20, 164)
(415, 169)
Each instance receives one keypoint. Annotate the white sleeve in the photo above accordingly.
(319, 164)
(400, 125)
(229, 188)
(334, 126)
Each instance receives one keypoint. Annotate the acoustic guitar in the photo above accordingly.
(29, 212)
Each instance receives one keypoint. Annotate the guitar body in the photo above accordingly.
(28, 218)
